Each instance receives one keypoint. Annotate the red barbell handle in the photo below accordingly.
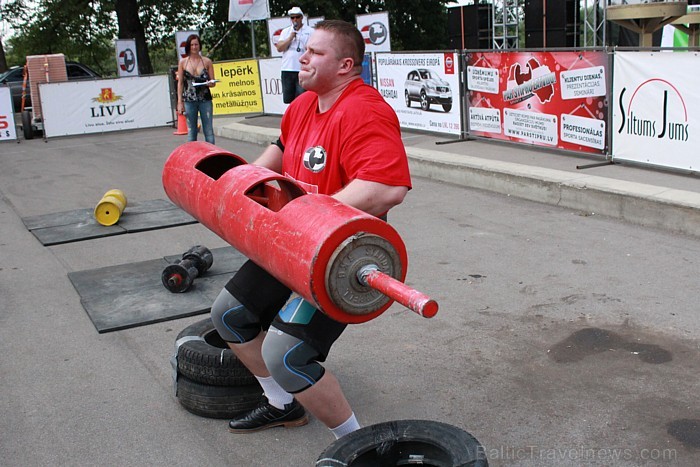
(412, 299)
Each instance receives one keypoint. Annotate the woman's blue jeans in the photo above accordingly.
(205, 109)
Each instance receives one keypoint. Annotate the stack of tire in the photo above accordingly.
(209, 380)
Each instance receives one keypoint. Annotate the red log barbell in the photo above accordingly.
(349, 264)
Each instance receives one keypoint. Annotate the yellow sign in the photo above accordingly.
(238, 90)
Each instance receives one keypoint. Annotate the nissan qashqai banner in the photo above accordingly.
(656, 109)
(375, 31)
(423, 89)
(556, 99)
(78, 107)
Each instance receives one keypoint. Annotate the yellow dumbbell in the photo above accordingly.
(110, 207)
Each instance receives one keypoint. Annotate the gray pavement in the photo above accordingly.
(520, 284)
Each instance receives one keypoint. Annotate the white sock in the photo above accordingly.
(348, 426)
(276, 396)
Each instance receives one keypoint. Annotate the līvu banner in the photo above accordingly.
(656, 109)
(238, 90)
(97, 106)
(7, 116)
(557, 99)
(423, 89)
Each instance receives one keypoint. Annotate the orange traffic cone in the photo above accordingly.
(181, 125)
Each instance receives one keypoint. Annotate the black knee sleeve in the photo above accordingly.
(234, 322)
(291, 361)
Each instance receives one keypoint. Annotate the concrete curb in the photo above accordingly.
(643, 204)
(247, 133)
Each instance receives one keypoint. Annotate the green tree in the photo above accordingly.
(413, 24)
(130, 27)
(80, 29)
(84, 30)
(3, 60)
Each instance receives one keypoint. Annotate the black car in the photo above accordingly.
(14, 78)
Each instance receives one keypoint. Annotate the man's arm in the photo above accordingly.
(271, 158)
(283, 44)
(180, 107)
(371, 197)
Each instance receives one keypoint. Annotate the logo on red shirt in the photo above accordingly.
(315, 159)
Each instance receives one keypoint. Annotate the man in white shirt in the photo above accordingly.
(292, 44)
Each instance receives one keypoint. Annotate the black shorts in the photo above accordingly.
(265, 296)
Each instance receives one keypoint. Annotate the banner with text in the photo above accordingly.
(270, 71)
(374, 28)
(238, 90)
(248, 10)
(274, 29)
(423, 89)
(312, 21)
(127, 64)
(181, 41)
(79, 107)
(556, 99)
(7, 115)
(654, 104)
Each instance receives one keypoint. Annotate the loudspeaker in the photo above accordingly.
(619, 36)
(478, 31)
(559, 20)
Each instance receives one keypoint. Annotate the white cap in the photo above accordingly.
(295, 11)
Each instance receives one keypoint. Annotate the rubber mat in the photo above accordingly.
(131, 295)
(80, 224)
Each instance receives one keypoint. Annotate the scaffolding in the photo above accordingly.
(594, 23)
(505, 22)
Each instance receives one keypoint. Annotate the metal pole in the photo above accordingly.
(252, 37)
(412, 299)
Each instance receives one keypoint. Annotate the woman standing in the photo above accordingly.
(195, 75)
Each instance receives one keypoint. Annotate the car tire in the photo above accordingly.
(424, 103)
(27, 128)
(217, 401)
(204, 357)
(408, 99)
(446, 107)
(404, 442)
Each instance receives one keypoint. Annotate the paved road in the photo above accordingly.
(563, 338)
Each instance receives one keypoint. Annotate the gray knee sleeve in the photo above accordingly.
(291, 361)
(234, 322)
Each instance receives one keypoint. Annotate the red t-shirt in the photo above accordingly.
(358, 138)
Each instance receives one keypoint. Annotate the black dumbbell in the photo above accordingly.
(178, 277)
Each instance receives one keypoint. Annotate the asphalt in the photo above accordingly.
(71, 396)
(644, 195)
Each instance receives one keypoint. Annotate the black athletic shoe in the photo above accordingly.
(266, 416)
